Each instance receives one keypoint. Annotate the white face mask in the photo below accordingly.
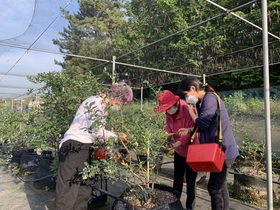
(172, 110)
(191, 100)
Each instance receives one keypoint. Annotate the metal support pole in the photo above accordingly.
(141, 99)
(113, 70)
(267, 107)
(21, 104)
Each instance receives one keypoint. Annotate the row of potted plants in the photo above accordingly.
(139, 130)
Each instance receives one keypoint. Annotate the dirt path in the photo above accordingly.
(18, 195)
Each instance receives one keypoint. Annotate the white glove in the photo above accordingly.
(105, 134)
(110, 134)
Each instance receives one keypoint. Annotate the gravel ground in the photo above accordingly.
(18, 195)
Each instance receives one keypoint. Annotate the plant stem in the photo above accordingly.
(130, 163)
(148, 163)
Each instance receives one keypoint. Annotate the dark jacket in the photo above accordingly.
(207, 123)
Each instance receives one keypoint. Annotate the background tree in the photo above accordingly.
(191, 37)
(157, 31)
(243, 44)
(90, 33)
(61, 96)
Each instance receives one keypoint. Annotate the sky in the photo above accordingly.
(25, 23)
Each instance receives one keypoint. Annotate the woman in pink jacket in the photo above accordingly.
(177, 116)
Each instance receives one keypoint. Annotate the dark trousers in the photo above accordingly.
(181, 169)
(71, 192)
(218, 189)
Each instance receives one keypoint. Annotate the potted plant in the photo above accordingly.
(251, 158)
(41, 127)
(140, 133)
(250, 176)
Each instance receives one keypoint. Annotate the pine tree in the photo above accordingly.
(90, 33)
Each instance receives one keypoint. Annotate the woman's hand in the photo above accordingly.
(184, 131)
(174, 145)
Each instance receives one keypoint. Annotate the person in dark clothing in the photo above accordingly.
(195, 91)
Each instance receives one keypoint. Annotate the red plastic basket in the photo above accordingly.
(205, 157)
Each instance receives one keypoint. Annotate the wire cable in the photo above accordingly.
(180, 31)
(159, 40)
(243, 69)
(220, 56)
(35, 180)
(232, 13)
(52, 52)
(212, 58)
(107, 61)
(209, 75)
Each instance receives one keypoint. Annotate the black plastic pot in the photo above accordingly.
(254, 188)
(44, 177)
(249, 181)
(26, 159)
(99, 192)
(176, 205)
(18, 153)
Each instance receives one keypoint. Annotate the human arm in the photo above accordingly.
(174, 145)
(184, 131)
(168, 128)
(192, 112)
(96, 120)
(183, 125)
(105, 134)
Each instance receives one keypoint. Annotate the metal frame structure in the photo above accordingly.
(265, 34)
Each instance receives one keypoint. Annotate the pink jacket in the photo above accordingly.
(181, 119)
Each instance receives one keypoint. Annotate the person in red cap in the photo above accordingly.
(177, 116)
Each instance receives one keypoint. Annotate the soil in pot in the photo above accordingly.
(165, 198)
